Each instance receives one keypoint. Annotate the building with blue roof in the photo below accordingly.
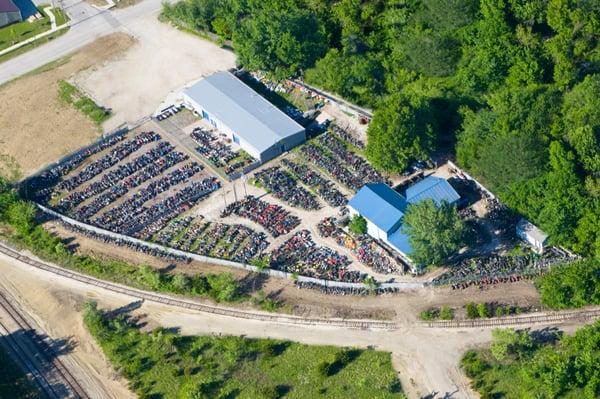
(383, 208)
(247, 118)
(432, 187)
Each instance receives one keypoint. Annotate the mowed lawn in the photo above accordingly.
(163, 364)
(17, 32)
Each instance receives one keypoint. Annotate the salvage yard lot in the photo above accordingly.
(38, 129)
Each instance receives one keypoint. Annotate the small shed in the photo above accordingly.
(531, 234)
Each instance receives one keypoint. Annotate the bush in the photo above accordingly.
(73, 96)
(472, 311)
(482, 310)
(428, 315)
(446, 313)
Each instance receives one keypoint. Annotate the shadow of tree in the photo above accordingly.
(252, 282)
(31, 349)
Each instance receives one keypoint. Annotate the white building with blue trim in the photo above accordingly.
(247, 118)
(383, 208)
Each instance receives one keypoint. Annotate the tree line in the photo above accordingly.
(510, 87)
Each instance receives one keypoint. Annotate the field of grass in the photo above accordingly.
(72, 95)
(163, 364)
(13, 382)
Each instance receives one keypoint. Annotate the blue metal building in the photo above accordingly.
(384, 208)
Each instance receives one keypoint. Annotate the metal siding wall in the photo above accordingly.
(294, 140)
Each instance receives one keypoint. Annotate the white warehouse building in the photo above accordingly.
(247, 118)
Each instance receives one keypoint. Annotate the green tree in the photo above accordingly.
(574, 45)
(430, 52)
(401, 130)
(181, 283)
(371, 284)
(223, 287)
(489, 49)
(358, 225)
(434, 232)
(21, 215)
(282, 40)
(571, 285)
(357, 77)
(581, 122)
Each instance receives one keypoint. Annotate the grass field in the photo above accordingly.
(32, 45)
(163, 364)
(56, 128)
(13, 382)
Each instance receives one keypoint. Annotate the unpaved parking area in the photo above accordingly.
(36, 128)
(162, 62)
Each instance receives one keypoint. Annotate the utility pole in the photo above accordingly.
(244, 183)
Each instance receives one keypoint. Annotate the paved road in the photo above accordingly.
(87, 24)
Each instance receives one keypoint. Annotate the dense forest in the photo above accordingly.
(510, 88)
(539, 364)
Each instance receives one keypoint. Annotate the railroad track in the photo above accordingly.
(547, 318)
(57, 375)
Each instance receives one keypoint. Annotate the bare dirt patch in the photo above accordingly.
(36, 127)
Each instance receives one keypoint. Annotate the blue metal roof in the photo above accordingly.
(243, 110)
(432, 187)
(26, 7)
(380, 204)
(399, 240)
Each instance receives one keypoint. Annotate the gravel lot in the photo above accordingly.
(160, 64)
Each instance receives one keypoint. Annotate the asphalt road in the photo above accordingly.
(87, 24)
